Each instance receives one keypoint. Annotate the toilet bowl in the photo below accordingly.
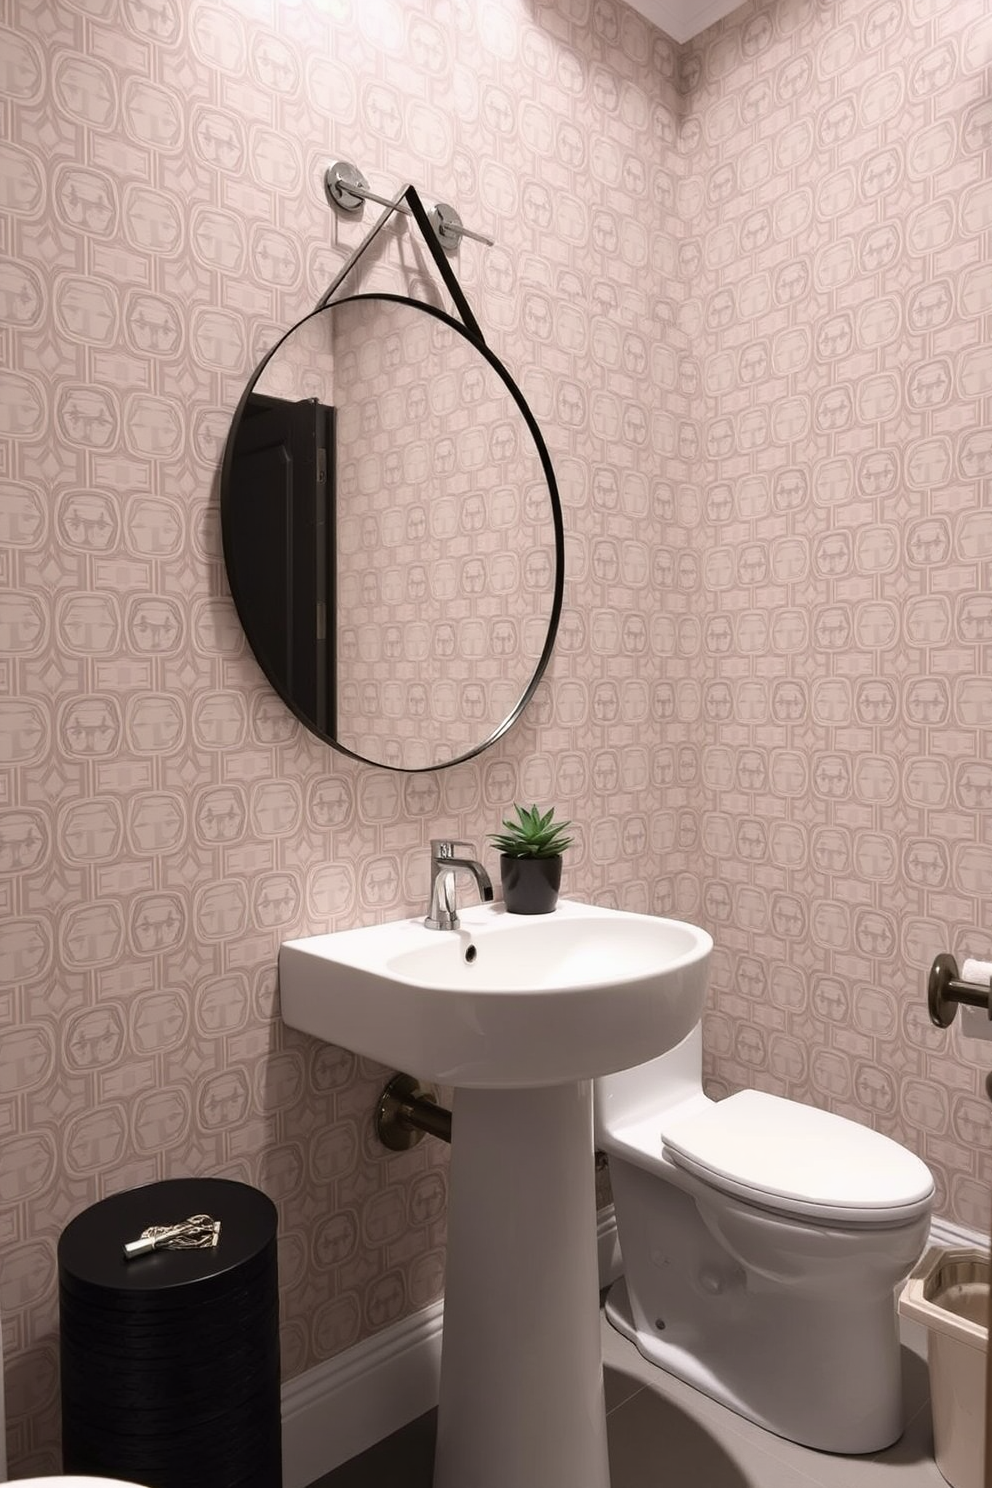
(763, 1242)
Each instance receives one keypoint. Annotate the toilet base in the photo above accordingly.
(853, 1435)
(790, 1324)
(682, 1365)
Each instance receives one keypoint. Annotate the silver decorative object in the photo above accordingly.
(199, 1232)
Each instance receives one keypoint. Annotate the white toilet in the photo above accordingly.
(762, 1242)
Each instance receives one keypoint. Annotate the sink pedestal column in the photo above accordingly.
(521, 1401)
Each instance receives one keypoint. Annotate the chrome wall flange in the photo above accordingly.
(945, 991)
(449, 228)
(345, 186)
(407, 1112)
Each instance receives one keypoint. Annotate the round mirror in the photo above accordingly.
(392, 533)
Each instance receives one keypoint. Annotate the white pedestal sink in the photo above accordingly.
(519, 1013)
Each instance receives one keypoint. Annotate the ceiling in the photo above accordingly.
(683, 19)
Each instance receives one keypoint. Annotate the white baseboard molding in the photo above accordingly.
(346, 1405)
(349, 1403)
(943, 1232)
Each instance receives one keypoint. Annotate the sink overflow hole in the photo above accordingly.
(471, 953)
(659, 1324)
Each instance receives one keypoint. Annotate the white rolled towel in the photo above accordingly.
(979, 972)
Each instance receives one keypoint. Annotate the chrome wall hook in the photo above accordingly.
(344, 180)
(447, 224)
(348, 189)
(340, 182)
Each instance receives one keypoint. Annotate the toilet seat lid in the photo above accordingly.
(797, 1159)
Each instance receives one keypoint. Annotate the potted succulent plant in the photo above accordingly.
(530, 860)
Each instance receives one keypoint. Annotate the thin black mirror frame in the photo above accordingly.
(228, 516)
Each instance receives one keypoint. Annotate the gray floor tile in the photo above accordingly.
(618, 1386)
(406, 1458)
(664, 1434)
(655, 1443)
(907, 1464)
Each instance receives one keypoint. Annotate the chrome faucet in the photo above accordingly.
(443, 913)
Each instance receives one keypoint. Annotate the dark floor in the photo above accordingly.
(663, 1434)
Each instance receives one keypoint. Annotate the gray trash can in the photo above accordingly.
(949, 1294)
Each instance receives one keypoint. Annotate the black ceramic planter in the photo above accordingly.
(530, 885)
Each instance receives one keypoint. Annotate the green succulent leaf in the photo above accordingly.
(532, 835)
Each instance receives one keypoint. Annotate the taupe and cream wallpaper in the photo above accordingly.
(443, 565)
(745, 286)
(837, 219)
(445, 540)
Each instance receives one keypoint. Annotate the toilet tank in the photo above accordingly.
(649, 1089)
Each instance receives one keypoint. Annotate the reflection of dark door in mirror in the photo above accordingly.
(433, 541)
(282, 546)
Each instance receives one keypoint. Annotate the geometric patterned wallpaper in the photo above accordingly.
(837, 210)
(444, 537)
(443, 531)
(744, 285)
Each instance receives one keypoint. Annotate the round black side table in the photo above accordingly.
(170, 1361)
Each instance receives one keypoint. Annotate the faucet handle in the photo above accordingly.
(444, 847)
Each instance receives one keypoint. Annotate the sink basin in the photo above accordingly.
(519, 1013)
(505, 1002)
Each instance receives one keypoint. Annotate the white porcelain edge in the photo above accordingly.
(351, 989)
(410, 931)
